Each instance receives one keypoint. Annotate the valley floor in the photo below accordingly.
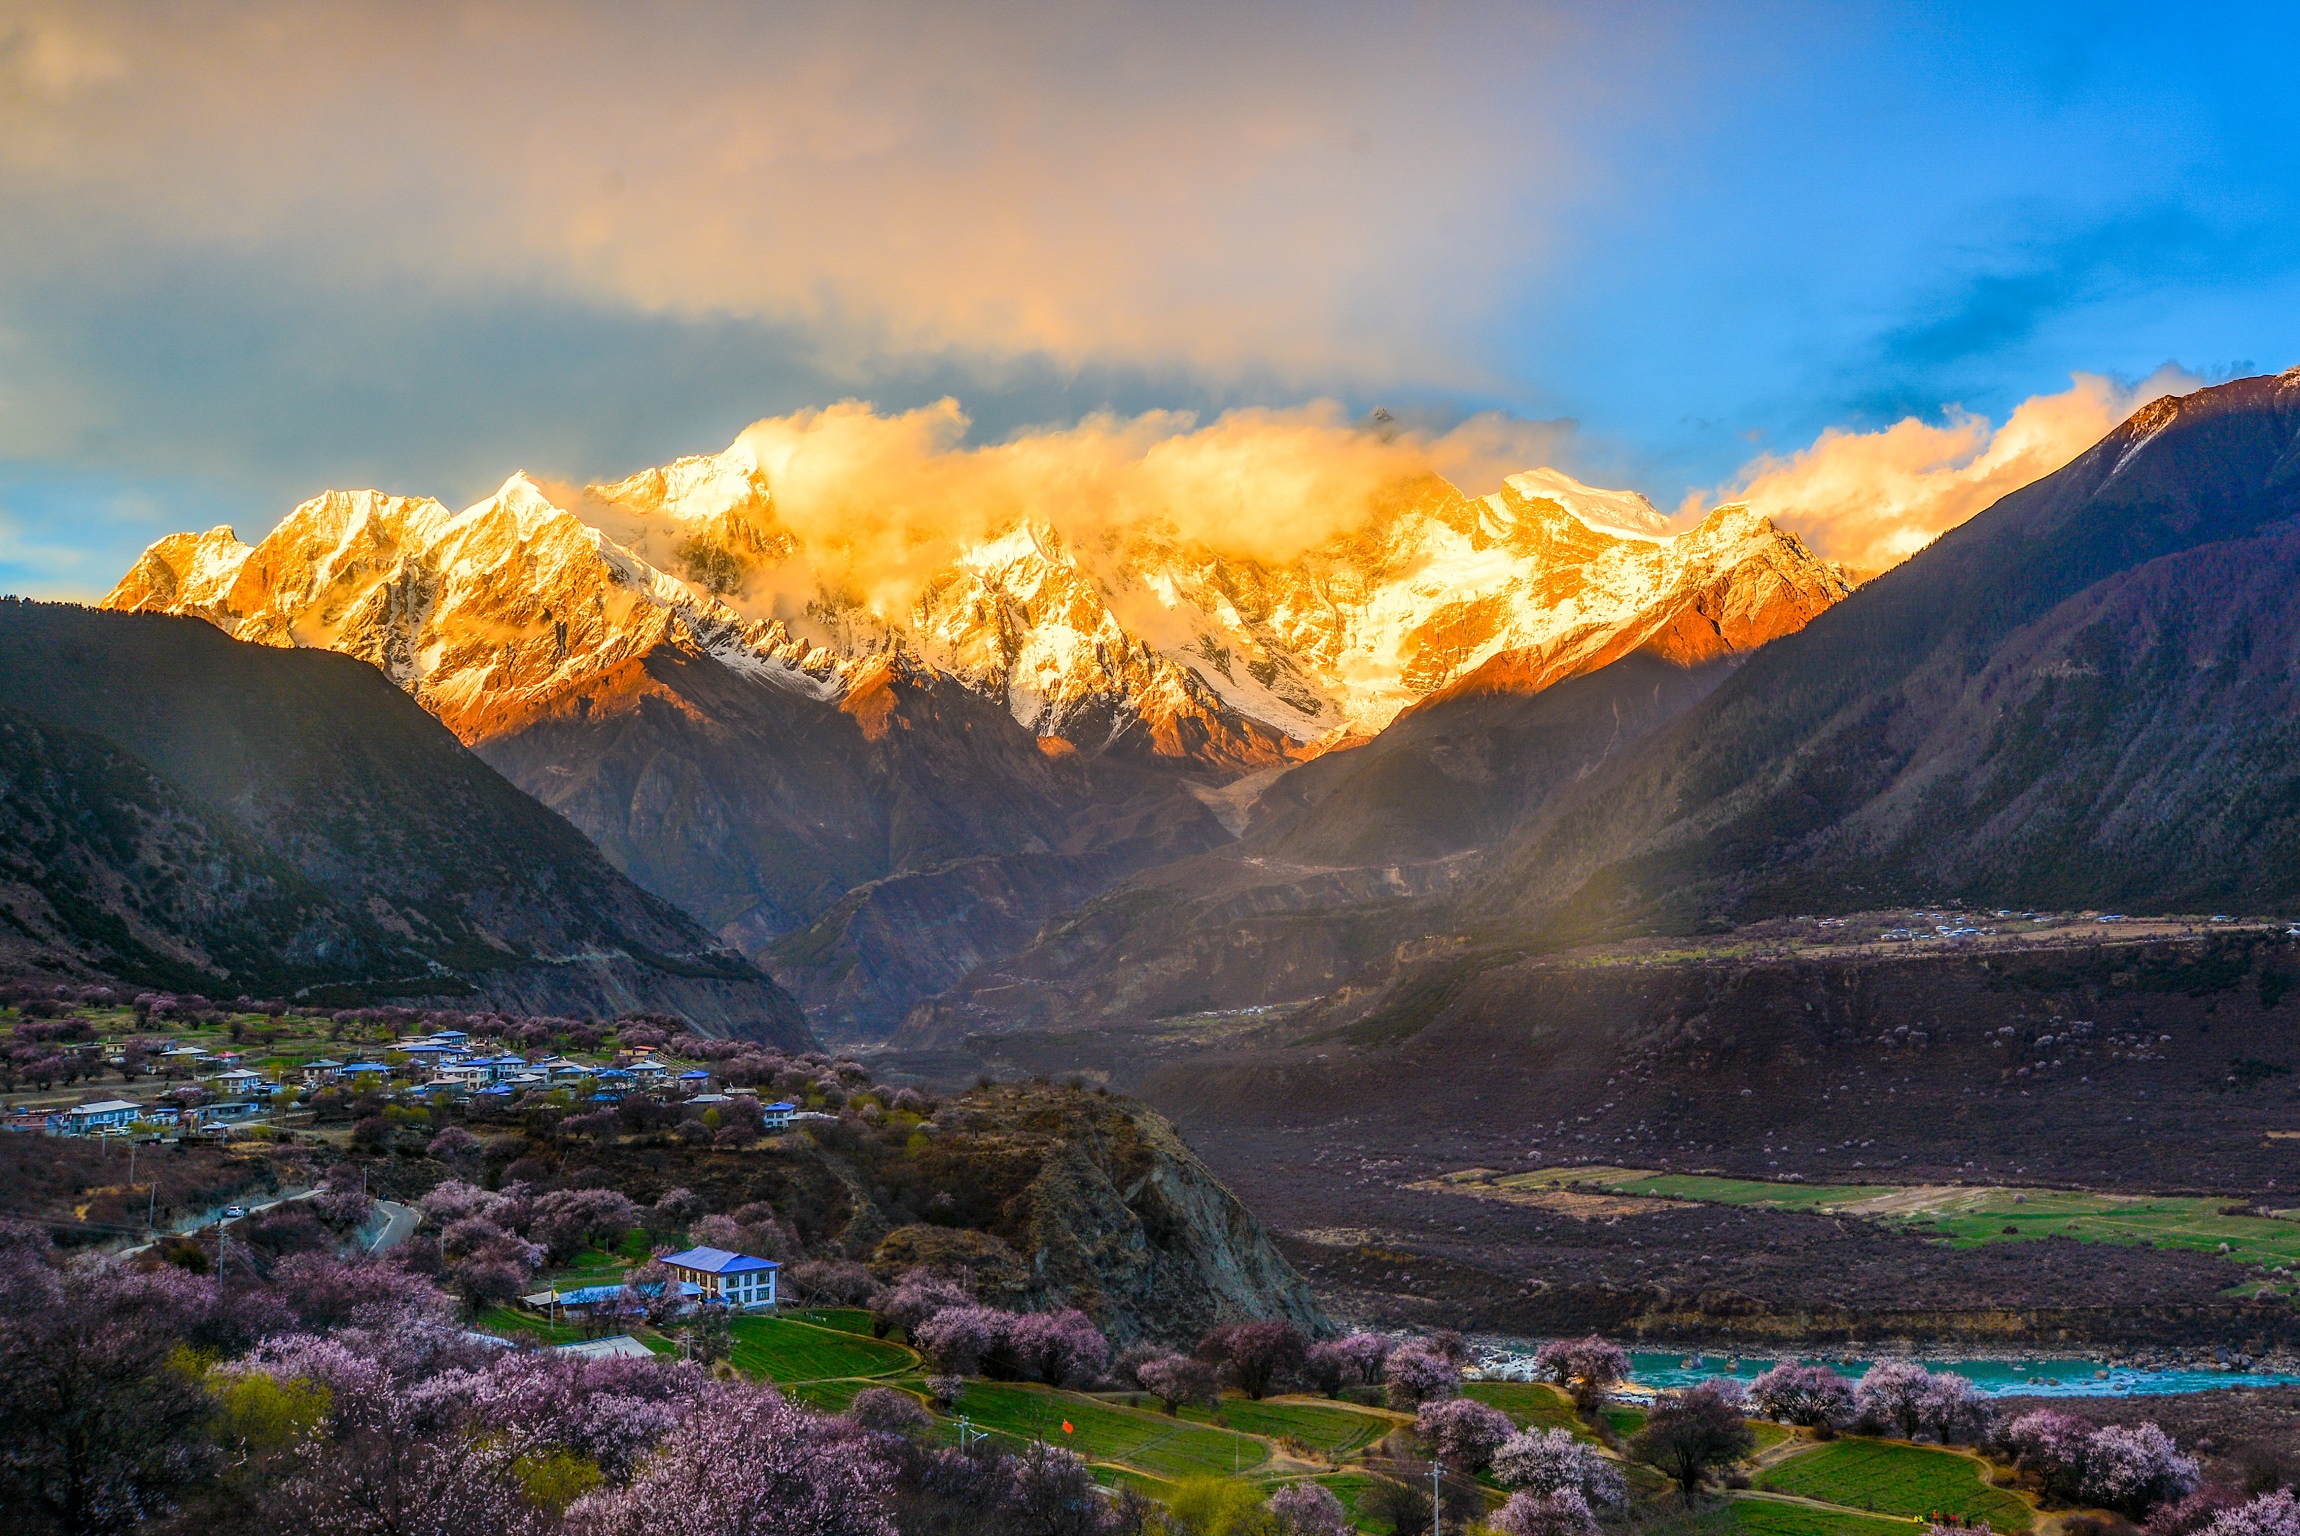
(2049, 1133)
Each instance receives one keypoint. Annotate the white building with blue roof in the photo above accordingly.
(737, 1279)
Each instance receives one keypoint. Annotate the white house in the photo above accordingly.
(95, 1119)
(737, 1279)
(777, 1116)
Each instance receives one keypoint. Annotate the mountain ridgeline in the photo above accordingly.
(876, 804)
(1519, 721)
(185, 811)
(2082, 697)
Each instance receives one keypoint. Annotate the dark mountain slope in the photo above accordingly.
(105, 867)
(869, 850)
(1900, 745)
(1462, 770)
(331, 832)
(1342, 861)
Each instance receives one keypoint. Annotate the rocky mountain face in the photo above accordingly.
(810, 776)
(1136, 643)
(1095, 1203)
(2081, 697)
(1342, 862)
(186, 811)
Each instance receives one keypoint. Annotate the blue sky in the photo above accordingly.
(421, 246)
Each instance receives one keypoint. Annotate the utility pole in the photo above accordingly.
(1437, 1506)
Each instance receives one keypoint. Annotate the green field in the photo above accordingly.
(1966, 1216)
(790, 1351)
(1325, 1429)
(508, 1323)
(836, 1394)
(1897, 1480)
(1101, 1431)
(842, 1319)
(1721, 1191)
(1778, 1517)
(1529, 1403)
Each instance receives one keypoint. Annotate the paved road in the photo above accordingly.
(399, 1223)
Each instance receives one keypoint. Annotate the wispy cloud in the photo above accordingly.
(1228, 189)
(1872, 499)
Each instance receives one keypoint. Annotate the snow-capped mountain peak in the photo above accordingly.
(1612, 512)
(1133, 640)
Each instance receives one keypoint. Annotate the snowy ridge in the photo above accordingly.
(1138, 638)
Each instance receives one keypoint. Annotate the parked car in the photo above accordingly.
(234, 1212)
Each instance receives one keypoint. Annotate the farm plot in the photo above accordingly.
(1894, 1479)
(1325, 1429)
(1966, 1215)
(1529, 1403)
(1756, 1515)
(1100, 1431)
(791, 1351)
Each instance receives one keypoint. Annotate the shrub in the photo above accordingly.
(1309, 1509)
(888, 1410)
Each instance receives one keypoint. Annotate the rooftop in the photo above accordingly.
(718, 1261)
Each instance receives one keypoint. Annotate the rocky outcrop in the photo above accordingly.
(1104, 1209)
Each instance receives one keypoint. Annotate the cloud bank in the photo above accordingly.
(1872, 499)
(1232, 191)
(883, 502)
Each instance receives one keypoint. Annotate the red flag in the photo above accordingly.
(1066, 1426)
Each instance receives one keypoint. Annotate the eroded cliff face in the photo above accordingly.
(1062, 1197)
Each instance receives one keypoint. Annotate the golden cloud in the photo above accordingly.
(1872, 499)
(882, 503)
(1228, 189)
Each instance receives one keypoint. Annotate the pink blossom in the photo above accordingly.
(1546, 1460)
(1563, 1513)
(1417, 1374)
(1462, 1433)
(2272, 1514)
(1309, 1509)
(748, 1463)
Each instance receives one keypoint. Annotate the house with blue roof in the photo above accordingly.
(737, 1279)
(777, 1116)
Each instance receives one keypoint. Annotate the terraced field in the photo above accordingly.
(1325, 1428)
(1892, 1479)
(1529, 1403)
(1101, 1431)
(788, 1351)
(1755, 1515)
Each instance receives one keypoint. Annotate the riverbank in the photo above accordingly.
(1993, 1374)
